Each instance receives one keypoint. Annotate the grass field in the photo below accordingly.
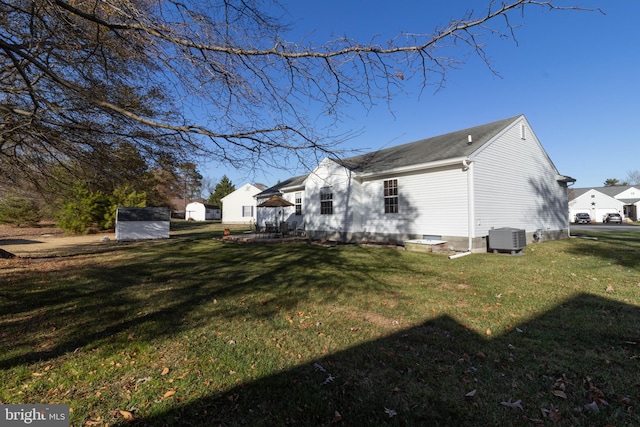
(196, 331)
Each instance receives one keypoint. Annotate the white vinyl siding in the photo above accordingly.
(345, 190)
(432, 203)
(235, 205)
(515, 185)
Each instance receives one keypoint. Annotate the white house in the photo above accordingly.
(630, 196)
(142, 223)
(199, 211)
(239, 207)
(599, 201)
(453, 187)
(291, 189)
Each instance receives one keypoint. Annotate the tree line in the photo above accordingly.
(103, 102)
(81, 199)
(633, 178)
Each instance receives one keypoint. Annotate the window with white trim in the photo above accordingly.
(326, 201)
(298, 203)
(391, 196)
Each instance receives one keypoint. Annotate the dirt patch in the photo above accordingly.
(48, 240)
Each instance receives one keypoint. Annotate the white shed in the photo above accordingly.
(198, 211)
(239, 207)
(142, 223)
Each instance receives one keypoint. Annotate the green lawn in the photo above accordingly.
(195, 331)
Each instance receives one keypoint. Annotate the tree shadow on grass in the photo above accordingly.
(437, 373)
(151, 293)
(574, 365)
(621, 248)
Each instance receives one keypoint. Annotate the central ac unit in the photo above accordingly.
(507, 239)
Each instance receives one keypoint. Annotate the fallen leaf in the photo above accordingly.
(559, 393)
(165, 371)
(488, 331)
(329, 379)
(336, 417)
(517, 404)
(390, 412)
(169, 394)
(128, 416)
(593, 406)
(555, 415)
(319, 367)
(471, 393)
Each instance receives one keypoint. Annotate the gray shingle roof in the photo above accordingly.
(610, 191)
(442, 147)
(296, 180)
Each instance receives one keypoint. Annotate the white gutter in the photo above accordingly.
(412, 168)
(467, 166)
(471, 229)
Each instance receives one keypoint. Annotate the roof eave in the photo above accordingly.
(364, 176)
(565, 179)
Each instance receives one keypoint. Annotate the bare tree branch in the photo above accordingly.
(202, 77)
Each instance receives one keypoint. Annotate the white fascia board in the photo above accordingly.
(413, 168)
(292, 188)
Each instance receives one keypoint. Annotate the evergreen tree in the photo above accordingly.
(223, 188)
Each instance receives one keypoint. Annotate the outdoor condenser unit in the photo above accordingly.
(507, 239)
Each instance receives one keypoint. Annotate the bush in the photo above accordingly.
(83, 210)
(122, 196)
(19, 211)
(86, 209)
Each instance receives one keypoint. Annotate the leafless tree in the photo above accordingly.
(633, 177)
(206, 77)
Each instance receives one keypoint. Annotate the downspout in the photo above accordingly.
(467, 167)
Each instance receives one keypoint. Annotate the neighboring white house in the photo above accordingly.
(239, 207)
(599, 201)
(454, 187)
(293, 190)
(142, 223)
(199, 211)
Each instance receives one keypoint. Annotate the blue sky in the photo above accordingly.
(574, 75)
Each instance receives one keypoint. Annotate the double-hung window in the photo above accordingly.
(326, 201)
(391, 196)
(298, 203)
